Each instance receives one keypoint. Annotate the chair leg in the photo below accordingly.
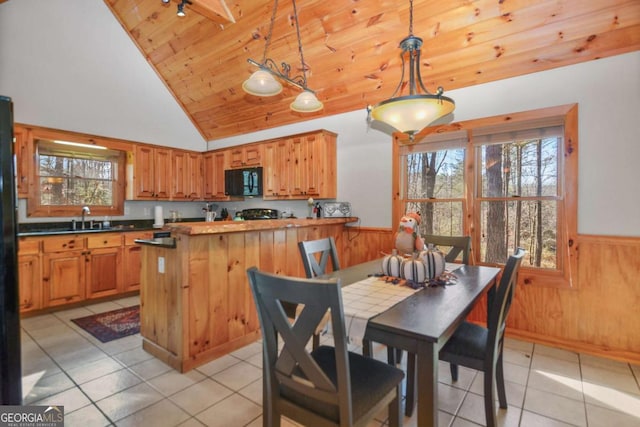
(454, 372)
(502, 395)
(367, 348)
(489, 407)
(316, 341)
(394, 410)
(398, 356)
(411, 384)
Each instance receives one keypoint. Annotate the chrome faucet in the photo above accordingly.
(85, 211)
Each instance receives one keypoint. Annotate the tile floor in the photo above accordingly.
(118, 383)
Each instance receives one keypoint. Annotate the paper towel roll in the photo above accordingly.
(158, 217)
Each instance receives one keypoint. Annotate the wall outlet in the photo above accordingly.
(147, 211)
(161, 265)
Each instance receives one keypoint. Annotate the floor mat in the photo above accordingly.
(113, 324)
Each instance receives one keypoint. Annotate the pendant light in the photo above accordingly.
(264, 82)
(411, 113)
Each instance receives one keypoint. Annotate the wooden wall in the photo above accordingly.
(599, 315)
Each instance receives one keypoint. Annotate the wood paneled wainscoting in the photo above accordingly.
(597, 315)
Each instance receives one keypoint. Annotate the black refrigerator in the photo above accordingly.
(10, 368)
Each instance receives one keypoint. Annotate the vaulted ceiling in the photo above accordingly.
(351, 48)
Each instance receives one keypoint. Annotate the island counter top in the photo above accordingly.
(220, 227)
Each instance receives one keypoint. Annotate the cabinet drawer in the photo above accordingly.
(28, 246)
(131, 236)
(104, 241)
(60, 244)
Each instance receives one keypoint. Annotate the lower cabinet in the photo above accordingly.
(29, 277)
(103, 272)
(59, 270)
(63, 277)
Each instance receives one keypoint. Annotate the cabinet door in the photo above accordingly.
(298, 175)
(29, 283)
(163, 173)
(276, 169)
(23, 148)
(179, 172)
(208, 175)
(312, 165)
(132, 260)
(245, 155)
(103, 273)
(63, 277)
(132, 263)
(194, 174)
(221, 163)
(143, 175)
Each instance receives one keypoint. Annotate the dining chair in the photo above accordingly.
(458, 245)
(328, 386)
(479, 347)
(315, 256)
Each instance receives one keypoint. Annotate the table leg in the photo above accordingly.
(427, 384)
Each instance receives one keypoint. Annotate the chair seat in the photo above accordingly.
(371, 380)
(468, 341)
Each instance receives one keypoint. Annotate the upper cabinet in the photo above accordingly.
(152, 173)
(23, 148)
(215, 163)
(301, 166)
(187, 175)
(245, 156)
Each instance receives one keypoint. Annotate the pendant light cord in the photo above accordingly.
(273, 20)
(304, 66)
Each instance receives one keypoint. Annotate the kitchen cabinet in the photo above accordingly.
(132, 260)
(187, 173)
(275, 174)
(152, 173)
(59, 270)
(214, 165)
(301, 166)
(103, 263)
(23, 149)
(29, 275)
(245, 156)
(63, 270)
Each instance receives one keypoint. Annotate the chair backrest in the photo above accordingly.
(499, 308)
(294, 368)
(458, 245)
(315, 255)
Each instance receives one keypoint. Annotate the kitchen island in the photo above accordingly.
(195, 300)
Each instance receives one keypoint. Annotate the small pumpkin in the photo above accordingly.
(414, 269)
(391, 264)
(434, 262)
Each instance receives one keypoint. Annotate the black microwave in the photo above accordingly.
(243, 182)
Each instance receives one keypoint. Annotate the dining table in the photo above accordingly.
(423, 322)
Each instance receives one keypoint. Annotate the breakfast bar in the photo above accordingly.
(195, 300)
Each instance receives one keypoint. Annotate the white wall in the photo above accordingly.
(608, 94)
(69, 65)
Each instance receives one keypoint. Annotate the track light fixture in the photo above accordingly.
(181, 7)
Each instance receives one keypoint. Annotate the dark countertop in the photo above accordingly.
(163, 242)
(60, 228)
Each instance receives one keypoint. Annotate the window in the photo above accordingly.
(70, 175)
(506, 182)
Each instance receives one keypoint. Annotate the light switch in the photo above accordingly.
(161, 264)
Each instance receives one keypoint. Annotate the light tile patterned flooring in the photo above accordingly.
(118, 383)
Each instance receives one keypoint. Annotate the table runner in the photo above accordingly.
(367, 298)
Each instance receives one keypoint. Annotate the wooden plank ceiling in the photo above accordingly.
(351, 48)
